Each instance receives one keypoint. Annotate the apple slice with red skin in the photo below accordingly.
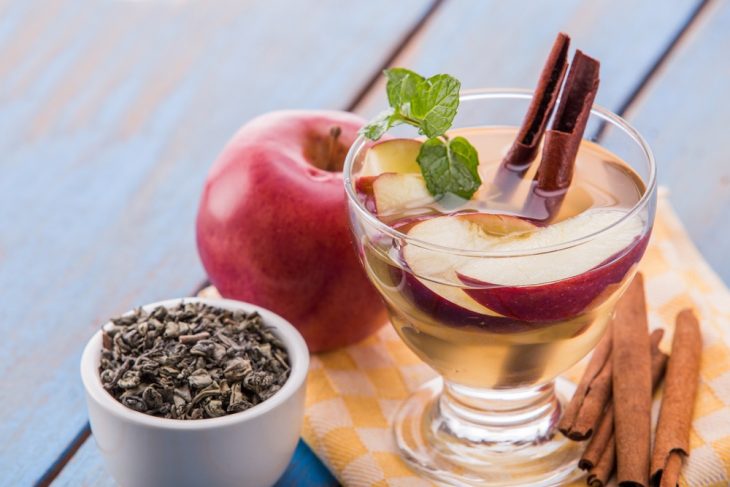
(390, 180)
(430, 282)
(364, 191)
(562, 299)
(534, 287)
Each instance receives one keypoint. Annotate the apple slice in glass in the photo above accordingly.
(431, 281)
(392, 155)
(396, 193)
(397, 156)
(534, 287)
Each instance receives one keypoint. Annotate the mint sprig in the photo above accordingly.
(430, 105)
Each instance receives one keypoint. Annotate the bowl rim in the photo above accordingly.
(290, 336)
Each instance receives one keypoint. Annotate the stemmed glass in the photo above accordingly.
(491, 417)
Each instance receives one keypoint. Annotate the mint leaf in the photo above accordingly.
(379, 125)
(435, 104)
(449, 167)
(401, 87)
(430, 105)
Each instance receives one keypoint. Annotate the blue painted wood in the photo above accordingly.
(504, 44)
(305, 470)
(110, 115)
(685, 116)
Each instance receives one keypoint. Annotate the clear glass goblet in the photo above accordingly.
(491, 417)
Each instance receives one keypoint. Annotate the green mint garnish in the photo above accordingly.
(449, 167)
(430, 105)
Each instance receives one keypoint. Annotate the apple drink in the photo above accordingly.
(510, 320)
(500, 227)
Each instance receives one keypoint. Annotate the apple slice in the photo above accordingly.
(535, 287)
(392, 155)
(395, 193)
(432, 283)
(364, 190)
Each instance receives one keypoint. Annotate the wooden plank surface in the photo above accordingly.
(685, 115)
(503, 44)
(86, 470)
(110, 115)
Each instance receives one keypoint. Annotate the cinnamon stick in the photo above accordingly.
(601, 355)
(632, 386)
(599, 475)
(593, 407)
(603, 435)
(524, 148)
(675, 416)
(562, 141)
(670, 475)
(595, 398)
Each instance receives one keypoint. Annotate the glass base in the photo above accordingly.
(457, 435)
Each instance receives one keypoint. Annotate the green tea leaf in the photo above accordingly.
(402, 86)
(450, 167)
(435, 104)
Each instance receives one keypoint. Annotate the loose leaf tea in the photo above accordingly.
(192, 361)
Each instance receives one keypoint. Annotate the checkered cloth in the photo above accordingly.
(353, 392)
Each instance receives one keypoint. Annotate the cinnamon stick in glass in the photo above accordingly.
(631, 362)
(524, 149)
(680, 389)
(562, 141)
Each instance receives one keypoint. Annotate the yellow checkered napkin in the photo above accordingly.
(353, 393)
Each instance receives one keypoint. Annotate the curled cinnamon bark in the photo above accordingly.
(680, 389)
(601, 354)
(601, 472)
(595, 455)
(632, 386)
(562, 141)
(524, 148)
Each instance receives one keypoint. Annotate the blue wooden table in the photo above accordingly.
(111, 113)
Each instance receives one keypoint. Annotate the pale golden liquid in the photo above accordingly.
(477, 356)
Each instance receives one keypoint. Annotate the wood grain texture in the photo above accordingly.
(504, 44)
(110, 115)
(684, 113)
(86, 470)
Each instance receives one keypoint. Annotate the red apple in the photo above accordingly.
(272, 227)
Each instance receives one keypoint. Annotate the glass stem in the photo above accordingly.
(500, 418)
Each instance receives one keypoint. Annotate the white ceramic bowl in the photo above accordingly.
(250, 448)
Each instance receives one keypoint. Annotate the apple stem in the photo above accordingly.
(335, 133)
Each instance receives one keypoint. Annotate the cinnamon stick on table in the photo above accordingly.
(675, 416)
(599, 457)
(631, 362)
(585, 410)
(562, 141)
(601, 355)
(524, 148)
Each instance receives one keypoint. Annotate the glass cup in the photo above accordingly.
(491, 417)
